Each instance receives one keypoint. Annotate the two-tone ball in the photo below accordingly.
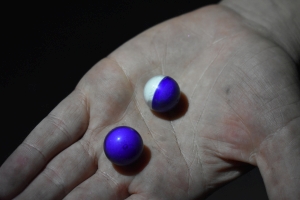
(123, 145)
(161, 93)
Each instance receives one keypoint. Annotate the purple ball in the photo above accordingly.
(123, 145)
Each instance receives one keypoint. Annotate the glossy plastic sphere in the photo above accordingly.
(123, 145)
(161, 93)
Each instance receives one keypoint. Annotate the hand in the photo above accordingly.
(241, 88)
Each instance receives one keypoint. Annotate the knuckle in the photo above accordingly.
(59, 124)
(54, 178)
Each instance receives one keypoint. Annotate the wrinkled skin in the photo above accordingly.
(240, 88)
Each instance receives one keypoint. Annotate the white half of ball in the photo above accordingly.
(151, 87)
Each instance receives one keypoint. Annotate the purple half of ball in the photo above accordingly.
(161, 93)
(123, 145)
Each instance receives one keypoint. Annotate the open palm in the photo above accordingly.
(237, 88)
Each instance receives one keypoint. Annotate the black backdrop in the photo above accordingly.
(47, 47)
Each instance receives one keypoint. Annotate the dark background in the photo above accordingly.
(49, 46)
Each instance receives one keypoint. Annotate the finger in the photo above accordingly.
(101, 185)
(62, 127)
(137, 197)
(62, 174)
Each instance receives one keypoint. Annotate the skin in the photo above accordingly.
(242, 102)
